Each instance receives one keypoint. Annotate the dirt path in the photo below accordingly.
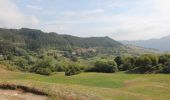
(19, 95)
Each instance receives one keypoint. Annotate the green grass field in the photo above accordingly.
(119, 86)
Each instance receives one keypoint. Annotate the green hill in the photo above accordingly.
(35, 39)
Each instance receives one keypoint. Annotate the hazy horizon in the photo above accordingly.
(120, 20)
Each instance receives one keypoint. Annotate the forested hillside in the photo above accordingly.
(35, 39)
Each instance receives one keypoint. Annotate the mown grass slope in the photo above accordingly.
(119, 86)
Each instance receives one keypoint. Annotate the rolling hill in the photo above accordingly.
(159, 44)
(34, 39)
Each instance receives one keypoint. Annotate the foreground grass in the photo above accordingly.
(97, 86)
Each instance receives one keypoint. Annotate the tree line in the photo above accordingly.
(45, 65)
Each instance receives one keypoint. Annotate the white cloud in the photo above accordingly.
(155, 24)
(12, 17)
(162, 6)
(122, 20)
(142, 19)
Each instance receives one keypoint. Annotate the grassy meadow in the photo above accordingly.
(96, 86)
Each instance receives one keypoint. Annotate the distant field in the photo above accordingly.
(97, 86)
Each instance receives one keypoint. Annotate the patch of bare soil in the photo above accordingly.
(19, 95)
(18, 92)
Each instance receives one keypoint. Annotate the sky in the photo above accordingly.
(118, 19)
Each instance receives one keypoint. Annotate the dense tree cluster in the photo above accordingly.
(147, 63)
(46, 65)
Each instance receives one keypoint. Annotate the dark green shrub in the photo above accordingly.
(127, 63)
(43, 65)
(1, 57)
(163, 59)
(166, 69)
(31, 60)
(10, 57)
(74, 58)
(104, 66)
(72, 69)
(147, 60)
(21, 63)
(119, 60)
(59, 68)
(126, 66)
(144, 61)
(146, 64)
(147, 70)
(158, 69)
(153, 58)
(166, 66)
(44, 71)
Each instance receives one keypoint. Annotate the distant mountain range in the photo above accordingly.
(161, 44)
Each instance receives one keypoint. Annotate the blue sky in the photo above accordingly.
(119, 19)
